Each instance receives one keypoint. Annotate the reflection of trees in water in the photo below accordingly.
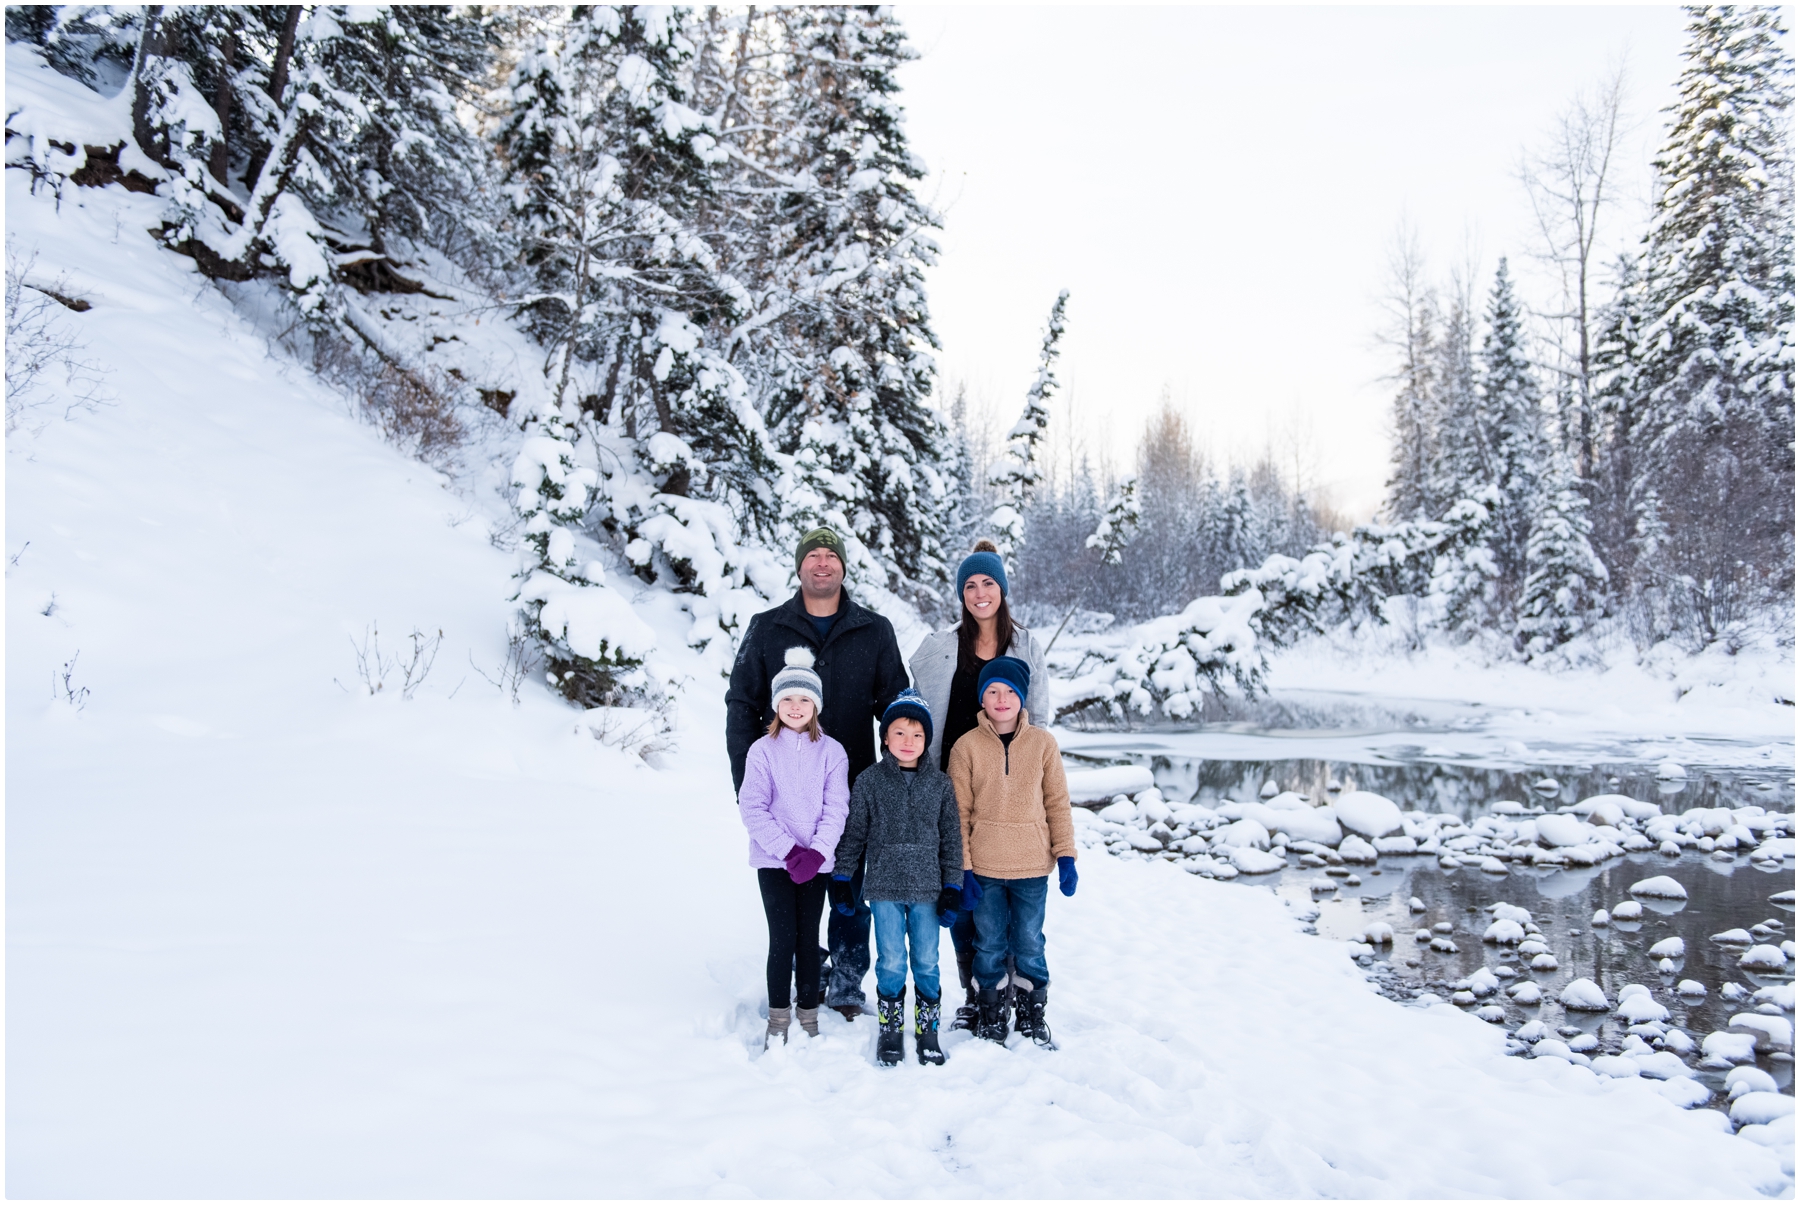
(1466, 791)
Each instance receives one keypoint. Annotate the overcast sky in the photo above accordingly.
(1219, 187)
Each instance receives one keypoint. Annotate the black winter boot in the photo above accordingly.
(890, 1046)
(925, 1028)
(990, 1020)
(965, 971)
(1016, 990)
(1031, 1017)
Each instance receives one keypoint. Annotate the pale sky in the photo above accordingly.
(1218, 188)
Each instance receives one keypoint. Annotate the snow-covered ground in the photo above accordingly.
(271, 937)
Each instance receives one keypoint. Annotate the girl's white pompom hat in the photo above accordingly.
(797, 678)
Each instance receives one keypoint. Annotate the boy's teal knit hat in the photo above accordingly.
(1010, 670)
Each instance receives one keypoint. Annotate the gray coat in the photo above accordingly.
(933, 665)
(906, 829)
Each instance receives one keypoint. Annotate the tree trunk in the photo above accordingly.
(153, 45)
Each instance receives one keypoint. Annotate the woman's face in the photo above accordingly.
(796, 711)
(981, 595)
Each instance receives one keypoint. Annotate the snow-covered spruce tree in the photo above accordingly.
(1413, 334)
(844, 335)
(1460, 453)
(1512, 403)
(608, 175)
(1716, 354)
(1616, 401)
(1015, 475)
(1565, 584)
(593, 642)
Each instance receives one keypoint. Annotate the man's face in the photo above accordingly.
(821, 573)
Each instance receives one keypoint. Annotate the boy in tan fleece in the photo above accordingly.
(1014, 802)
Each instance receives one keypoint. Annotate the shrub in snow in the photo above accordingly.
(1172, 664)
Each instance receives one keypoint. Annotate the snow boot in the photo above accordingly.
(809, 1021)
(778, 1026)
(990, 1019)
(925, 1028)
(1017, 989)
(890, 1046)
(965, 971)
(1031, 1017)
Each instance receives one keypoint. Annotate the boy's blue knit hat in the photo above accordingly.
(909, 704)
(982, 561)
(1010, 670)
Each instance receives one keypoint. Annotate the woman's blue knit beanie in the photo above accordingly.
(981, 562)
(1010, 670)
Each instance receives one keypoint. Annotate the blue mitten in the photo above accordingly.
(1065, 875)
(971, 891)
(840, 895)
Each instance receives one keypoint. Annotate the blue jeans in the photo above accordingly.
(1010, 918)
(896, 927)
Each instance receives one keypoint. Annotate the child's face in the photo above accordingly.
(906, 740)
(796, 711)
(1001, 705)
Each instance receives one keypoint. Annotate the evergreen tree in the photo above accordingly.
(1565, 585)
(1460, 443)
(1016, 475)
(850, 354)
(1715, 440)
(1618, 410)
(1513, 406)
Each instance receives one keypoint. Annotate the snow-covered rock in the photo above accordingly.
(1760, 1108)
(1379, 933)
(1602, 917)
(1396, 845)
(1627, 910)
(1734, 937)
(1367, 814)
(1105, 782)
(1690, 987)
(1562, 831)
(1119, 811)
(1740, 1080)
(1532, 1031)
(1544, 962)
(1303, 823)
(1668, 947)
(1584, 995)
(1763, 958)
(1355, 849)
(1638, 1009)
(1769, 1033)
(1779, 994)
(1728, 1047)
(1659, 887)
(1671, 770)
(1661, 1064)
(1244, 834)
(1527, 993)
(1616, 1066)
(1505, 932)
(1250, 860)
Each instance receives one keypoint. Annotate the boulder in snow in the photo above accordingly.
(1562, 831)
(1628, 910)
(1638, 1009)
(1760, 1108)
(1584, 995)
(1668, 947)
(1722, 1047)
(1250, 860)
(1367, 814)
(1763, 958)
(1244, 833)
(1769, 1033)
(1354, 849)
(1662, 887)
(1506, 932)
(1526, 993)
(1105, 782)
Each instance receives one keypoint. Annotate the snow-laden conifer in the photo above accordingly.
(1512, 404)
(1565, 582)
(1015, 475)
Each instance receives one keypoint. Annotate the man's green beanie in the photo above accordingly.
(820, 537)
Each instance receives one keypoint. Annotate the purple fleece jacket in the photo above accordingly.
(796, 792)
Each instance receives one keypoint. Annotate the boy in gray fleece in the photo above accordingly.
(905, 828)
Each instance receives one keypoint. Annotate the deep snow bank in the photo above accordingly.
(270, 938)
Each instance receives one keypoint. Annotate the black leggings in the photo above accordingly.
(793, 911)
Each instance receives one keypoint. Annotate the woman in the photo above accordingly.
(945, 669)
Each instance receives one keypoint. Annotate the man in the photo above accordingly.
(858, 660)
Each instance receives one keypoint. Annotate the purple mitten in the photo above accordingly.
(803, 863)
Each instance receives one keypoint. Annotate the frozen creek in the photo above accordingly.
(1464, 892)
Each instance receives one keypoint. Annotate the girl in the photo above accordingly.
(1014, 802)
(794, 800)
(944, 670)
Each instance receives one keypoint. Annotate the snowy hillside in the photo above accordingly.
(271, 936)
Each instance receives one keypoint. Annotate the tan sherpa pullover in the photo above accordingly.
(1014, 801)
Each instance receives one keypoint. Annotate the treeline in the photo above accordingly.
(1629, 441)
